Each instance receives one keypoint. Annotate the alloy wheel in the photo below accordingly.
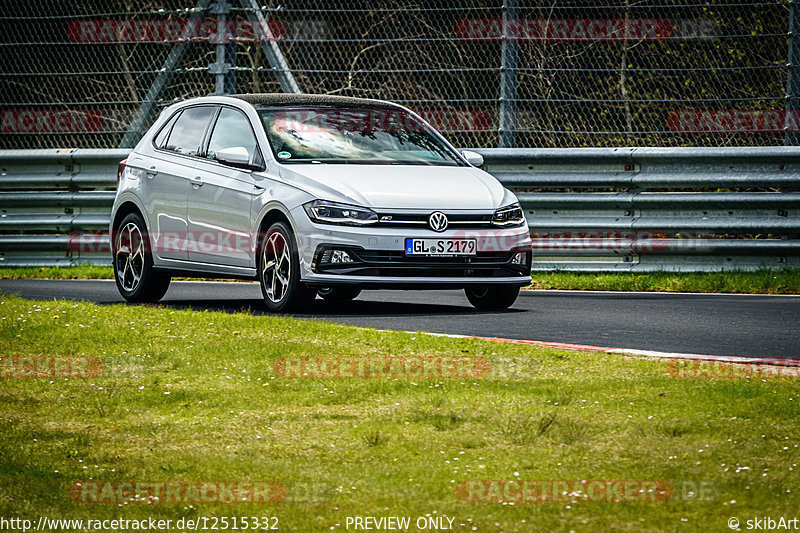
(276, 267)
(129, 256)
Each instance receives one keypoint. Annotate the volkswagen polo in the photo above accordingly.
(312, 195)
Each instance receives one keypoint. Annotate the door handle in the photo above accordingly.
(197, 182)
(151, 172)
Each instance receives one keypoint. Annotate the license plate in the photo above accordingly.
(441, 247)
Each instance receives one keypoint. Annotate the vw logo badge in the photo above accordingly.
(437, 221)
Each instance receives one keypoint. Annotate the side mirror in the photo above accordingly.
(473, 158)
(235, 156)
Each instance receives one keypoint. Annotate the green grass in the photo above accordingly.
(73, 272)
(191, 396)
(786, 281)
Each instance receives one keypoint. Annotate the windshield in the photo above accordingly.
(354, 136)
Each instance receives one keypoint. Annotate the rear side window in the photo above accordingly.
(189, 129)
(233, 130)
(161, 138)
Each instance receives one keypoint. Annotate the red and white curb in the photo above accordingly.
(628, 351)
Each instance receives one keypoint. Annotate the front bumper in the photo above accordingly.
(408, 283)
(395, 264)
(379, 258)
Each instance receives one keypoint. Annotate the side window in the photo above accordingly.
(189, 129)
(161, 138)
(233, 130)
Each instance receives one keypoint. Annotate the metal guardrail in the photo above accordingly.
(589, 209)
(48, 198)
(647, 209)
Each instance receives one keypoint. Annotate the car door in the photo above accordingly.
(221, 195)
(166, 183)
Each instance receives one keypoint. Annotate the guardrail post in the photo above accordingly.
(508, 77)
(792, 138)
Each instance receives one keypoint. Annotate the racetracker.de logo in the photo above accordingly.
(42, 366)
(700, 369)
(152, 492)
(400, 367)
(572, 491)
(733, 120)
(565, 29)
(383, 120)
(49, 120)
(245, 243)
(158, 31)
(615, 241)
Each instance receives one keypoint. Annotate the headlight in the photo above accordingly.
(334, 213)
(510, 215)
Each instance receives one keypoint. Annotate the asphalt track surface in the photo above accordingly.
(707, 324)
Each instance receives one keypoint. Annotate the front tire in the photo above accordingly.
(492, 298)
(338, 294)
(279, 272)
(137, 280)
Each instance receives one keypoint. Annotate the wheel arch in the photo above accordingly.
(272, 216)
(125, 208)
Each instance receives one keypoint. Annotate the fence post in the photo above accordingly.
(230, 59)
(508, 77)
(226, 58)
(792, 138)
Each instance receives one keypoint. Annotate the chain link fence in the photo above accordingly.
(560, 73)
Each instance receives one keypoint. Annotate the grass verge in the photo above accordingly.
(192, 396)
(786, 281)
(73, 272)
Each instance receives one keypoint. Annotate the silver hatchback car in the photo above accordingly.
(312, 195)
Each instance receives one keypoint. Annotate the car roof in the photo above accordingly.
(289, 99)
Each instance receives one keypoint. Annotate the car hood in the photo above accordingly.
(398, 186)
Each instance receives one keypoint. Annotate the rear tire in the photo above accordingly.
(492, 298)
(137, 280)
(279, 272)
(338, 294)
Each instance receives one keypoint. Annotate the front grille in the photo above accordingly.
(384, 263)
(419, 220)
